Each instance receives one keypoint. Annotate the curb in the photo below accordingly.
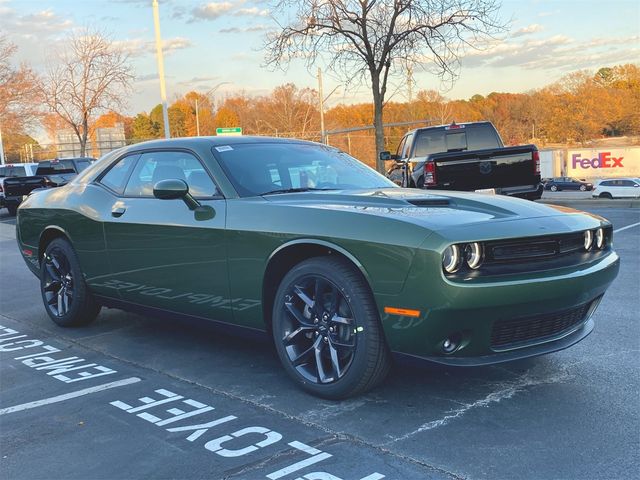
(596, 202)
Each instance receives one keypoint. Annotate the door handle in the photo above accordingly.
(118, 211)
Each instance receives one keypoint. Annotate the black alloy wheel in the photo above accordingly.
(326, 329)
(58, 284)
(65, 294)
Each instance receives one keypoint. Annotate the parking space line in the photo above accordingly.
(627, 227)
(67, 396)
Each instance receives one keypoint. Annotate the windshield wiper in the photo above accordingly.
(295, 190)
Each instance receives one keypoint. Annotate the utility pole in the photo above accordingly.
(197, 120)
(410, 83)
(321, 106)
(163, 90)
(211, 91)
(2, 161)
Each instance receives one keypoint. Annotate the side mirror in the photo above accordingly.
(173, 189)
(636, 185)
(384, 156)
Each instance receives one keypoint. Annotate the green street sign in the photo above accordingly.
(229, 131)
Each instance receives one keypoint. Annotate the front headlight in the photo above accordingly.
(451, 259)
(473, 255)
(588, 240)
(600, 239)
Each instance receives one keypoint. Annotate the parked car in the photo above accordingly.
(337, 264)
(567, 183)
(467, 157)
(14, 170)
(48, 174)
(617, 188)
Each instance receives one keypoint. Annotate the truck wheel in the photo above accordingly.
(553, 188)
(65, 294)
(13, 209)
(327, 331)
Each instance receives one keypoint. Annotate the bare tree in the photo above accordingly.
(91, 75)
(376, 39)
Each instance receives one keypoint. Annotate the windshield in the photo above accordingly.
(261, 168)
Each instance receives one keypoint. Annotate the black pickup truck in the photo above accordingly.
(48, 174)
(468, 157)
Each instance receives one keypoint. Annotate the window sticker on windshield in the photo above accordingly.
(224, 148)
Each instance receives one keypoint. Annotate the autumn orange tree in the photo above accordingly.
(19, 100)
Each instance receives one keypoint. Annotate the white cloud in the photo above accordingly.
(556, 52)
(211, 11)
(236, 8)
(251, 28)
(528, 30)
(137, 47)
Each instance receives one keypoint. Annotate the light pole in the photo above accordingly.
(321, 100)
(2, 162)
(163, 89)
(209, 92)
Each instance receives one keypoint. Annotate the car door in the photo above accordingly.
(628, 188)
(163, 254)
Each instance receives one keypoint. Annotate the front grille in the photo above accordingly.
(533, 248)
(520, 331)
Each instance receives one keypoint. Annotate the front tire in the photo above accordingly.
(553, 188)
(65, 294)
(583, 188)
(327, 331)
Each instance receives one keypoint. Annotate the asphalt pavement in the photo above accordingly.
(139, 397)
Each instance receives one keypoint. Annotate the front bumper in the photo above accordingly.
(550, 346)
(468, 312)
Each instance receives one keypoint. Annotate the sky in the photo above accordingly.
(210, 42)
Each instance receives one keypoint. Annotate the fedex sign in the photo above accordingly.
(603, 160)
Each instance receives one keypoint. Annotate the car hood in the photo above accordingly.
(444, 210)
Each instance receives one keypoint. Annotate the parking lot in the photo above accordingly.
(133, 397)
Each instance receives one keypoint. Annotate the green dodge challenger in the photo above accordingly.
(339, 265)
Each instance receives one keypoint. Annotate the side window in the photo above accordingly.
(606, 183)
(406, 150)
(155, 166)
(627, 183)
(401, 147)
(428, 142)
(116, 177)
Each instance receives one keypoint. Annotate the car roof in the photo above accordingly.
(445, 125)
(214, 141)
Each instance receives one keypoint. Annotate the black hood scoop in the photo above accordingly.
(429, 202)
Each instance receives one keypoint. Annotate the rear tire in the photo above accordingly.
(553, 188)
(420, 183)
(606, 195)
(65, 294)
(13, 210)
(583, 188)
(333, 348)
